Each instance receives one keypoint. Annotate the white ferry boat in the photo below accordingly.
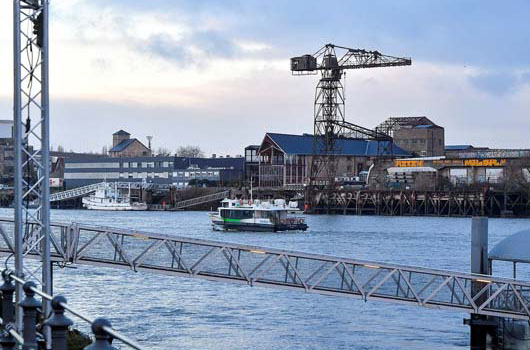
(242, 215)
(108, 198)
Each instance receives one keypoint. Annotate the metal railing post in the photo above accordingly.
(6, 340)
(29, 305)
(59, 324)
(103, 340)
(8, 290)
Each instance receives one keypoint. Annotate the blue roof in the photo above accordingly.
(303, 144)
(122, 145)
(457, 147)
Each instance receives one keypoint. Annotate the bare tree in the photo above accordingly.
(60, 148)
(190, 152)
(163, 152)
(104, 150)
(516, 174)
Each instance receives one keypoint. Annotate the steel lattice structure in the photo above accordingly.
(31, 128)
(329, 111)
(275, 268)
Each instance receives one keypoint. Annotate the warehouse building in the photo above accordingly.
(285, 160)
(418, 135)
(177, 171)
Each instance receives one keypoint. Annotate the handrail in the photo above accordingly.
(109, 330)
(202, 199)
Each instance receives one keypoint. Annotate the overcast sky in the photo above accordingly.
(216, 73)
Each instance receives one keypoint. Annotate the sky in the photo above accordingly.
(215, 73)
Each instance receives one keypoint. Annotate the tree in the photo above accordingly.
(190, 152)
(163, 152)
(60, 148)
(104, 150)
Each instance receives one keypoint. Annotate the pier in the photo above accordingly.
(424, 203)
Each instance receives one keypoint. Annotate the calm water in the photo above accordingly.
(179, 313)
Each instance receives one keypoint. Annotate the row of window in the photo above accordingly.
(156, 164)
(141, 175)
(194, 174)
(418, 141)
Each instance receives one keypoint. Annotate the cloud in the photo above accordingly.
(194, 48)
(500, 82)
(205, 70)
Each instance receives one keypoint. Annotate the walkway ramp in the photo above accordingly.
(275, 268)
(76, 192)
(202, 200)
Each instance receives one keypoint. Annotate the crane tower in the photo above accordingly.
(330, 125)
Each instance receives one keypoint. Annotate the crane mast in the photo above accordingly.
(330, 125)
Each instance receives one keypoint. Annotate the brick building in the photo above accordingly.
(418, 135)
(125, 146)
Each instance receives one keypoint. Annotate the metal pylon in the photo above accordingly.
(31, 133)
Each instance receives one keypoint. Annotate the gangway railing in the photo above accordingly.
(202, 199)
(275, 268)
(84, 190)
(76, 192)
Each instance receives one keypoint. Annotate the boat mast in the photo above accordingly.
(251, 180)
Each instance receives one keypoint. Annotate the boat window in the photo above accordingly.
(236, 214)
(262, 214)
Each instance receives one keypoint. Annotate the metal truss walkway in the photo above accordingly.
(201, 200)
(76, 192)
(265, 267)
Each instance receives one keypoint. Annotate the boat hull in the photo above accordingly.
(218, 224)
(90, 205)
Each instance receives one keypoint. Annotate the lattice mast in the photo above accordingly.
(31, 134)
(329, 112)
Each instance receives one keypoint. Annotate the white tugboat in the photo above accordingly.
(109, 198)
(239, 215)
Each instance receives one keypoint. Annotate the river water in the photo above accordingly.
(179, 313)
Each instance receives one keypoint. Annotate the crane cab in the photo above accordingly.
(303, 63)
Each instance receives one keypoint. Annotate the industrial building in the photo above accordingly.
(125, 146)
(177, 171)
(251, 164)
(463, 166)
(418, 135)
(284, 160)
(7, 150)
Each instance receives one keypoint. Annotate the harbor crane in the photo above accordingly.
(329, 113)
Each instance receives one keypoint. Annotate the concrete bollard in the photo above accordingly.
(102, 341)
(59, 324)
(7, 289)
(29, 306)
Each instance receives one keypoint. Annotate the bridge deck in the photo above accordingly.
(275, 268)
